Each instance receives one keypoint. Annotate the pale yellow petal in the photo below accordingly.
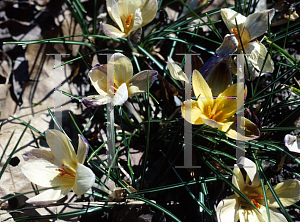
(149, 10)
(257, 23)
(112, 9)
(227, 209)
(287, 191)
(40, 172)
(191, 112)
(138, 83)
(112, 31)
(63, 182)
(251, 130)
(175, 71)
(47, 197)
(128, 7)
(62, 148)
(202, 91)
(245, 131)
(123, 70)
(82, 149)
(238, 179)
(229, 15)
(85, 178)
(227, 100)
(257, 54)
(98, 77)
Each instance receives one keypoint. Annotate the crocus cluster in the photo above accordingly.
(215, 104)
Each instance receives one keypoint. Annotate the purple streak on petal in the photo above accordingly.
(86, 143)
(152, 77)
(208, 65)
(89, 103)
(100, 67)
(96, 66)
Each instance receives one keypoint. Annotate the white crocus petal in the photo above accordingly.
(275, 215)
(229, 15)
(257, 53)
(82, 149)
(238, 179)
(62, 148)
(112, 31)
(113, 11)
(138, 20)
(212, 123)
(48, 197)
(175, 71)
(287, 191)
(85, 178)
(257, 23)
(96, 100)
(40, 172)
(228, 208)
(138, 83)
(292, 143)
(250, 216)
(35, 154)
(149, 10)
(122, 67)
(121, 95)
(251, 170)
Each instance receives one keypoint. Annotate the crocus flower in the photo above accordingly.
(61, 169)
(250, 28)
(176, 71)
(129, 16)
(292, 143)
(218, 112)
(235, 208)
(123, 83)
(218, 66)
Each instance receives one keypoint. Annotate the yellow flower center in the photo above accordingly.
(244, 34)
(211, 114)
(126, 22)
(66, 172)
(253, 197)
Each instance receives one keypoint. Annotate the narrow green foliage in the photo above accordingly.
(13, 151)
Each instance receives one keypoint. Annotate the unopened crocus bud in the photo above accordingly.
(216, 71)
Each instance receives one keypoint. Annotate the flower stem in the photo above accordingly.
(135, 113)
(104, 189)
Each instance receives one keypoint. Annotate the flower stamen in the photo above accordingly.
(211, 113)
(65, 172)
(253, 197)
(126, 22)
